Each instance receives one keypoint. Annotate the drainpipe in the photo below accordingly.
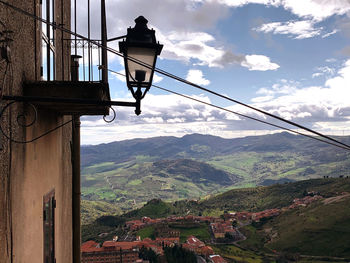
(76, 171)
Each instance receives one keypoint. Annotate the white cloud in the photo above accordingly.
(316, 10)
(196, 76)
(299, 29)
(327, 70)
(120, 75)
(238, 3)
(311, 11)
(330, 33)
(196, 47)
(262, 99)
(259, 62)
(184, 39)
(161, 115)
(283, 86)
(325, 108)
(157, 78)
(187, 46)
(324, 71)
(312, 105)
(340, 84)
(331, 60)
(317, 74)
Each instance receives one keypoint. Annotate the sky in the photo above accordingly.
(287, 57)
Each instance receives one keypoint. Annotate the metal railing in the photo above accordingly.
(90, 60)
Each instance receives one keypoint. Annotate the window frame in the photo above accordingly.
(49, 205)
(48, 40)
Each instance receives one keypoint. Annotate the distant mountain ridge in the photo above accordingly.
(172, 147)
(134, 171)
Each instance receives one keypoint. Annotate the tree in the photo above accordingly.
(148, 254)
(177, 254)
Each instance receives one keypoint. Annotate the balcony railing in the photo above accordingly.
(90, 61)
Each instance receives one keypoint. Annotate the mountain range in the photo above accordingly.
(132, 172)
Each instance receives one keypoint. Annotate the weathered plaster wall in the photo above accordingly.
(33, 169)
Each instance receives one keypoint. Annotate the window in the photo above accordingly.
(49, 205)
(48, 40)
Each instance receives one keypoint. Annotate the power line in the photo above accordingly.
(240, 114)
(252, 118)
(249, 106)
(165, 73)
(170, 75)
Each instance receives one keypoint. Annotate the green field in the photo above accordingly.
(146, 232)
(201, 231)
(131, 184)
(321, 229)
(236, 254)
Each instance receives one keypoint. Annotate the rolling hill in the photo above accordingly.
(91, 210)
(131, 172)
(253, 199)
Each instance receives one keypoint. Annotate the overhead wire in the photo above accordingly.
(239, 114)
(170, 75)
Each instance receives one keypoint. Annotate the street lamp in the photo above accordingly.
(140, 50)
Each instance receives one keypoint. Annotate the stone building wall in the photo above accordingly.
(29, 171)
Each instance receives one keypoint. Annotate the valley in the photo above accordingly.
(272, 198)
(129, 173)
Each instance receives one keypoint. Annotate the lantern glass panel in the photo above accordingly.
(145, 55)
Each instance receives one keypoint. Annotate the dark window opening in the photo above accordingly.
(49, 205)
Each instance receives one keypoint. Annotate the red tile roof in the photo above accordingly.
(90, 246)
(193, 241)
(120, 245)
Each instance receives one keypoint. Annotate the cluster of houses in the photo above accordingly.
(305, 201)
(222, 228)
(198, 247)
(128, 252)
(114, 251)
(123, 252)
(252, 217)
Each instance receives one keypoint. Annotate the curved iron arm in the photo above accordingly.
(22, 119)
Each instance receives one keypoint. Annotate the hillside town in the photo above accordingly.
(223, 229)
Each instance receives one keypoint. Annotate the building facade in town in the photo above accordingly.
(36, 193)
(39, 136)
(110, 251)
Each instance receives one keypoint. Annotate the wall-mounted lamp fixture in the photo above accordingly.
(140, 50)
